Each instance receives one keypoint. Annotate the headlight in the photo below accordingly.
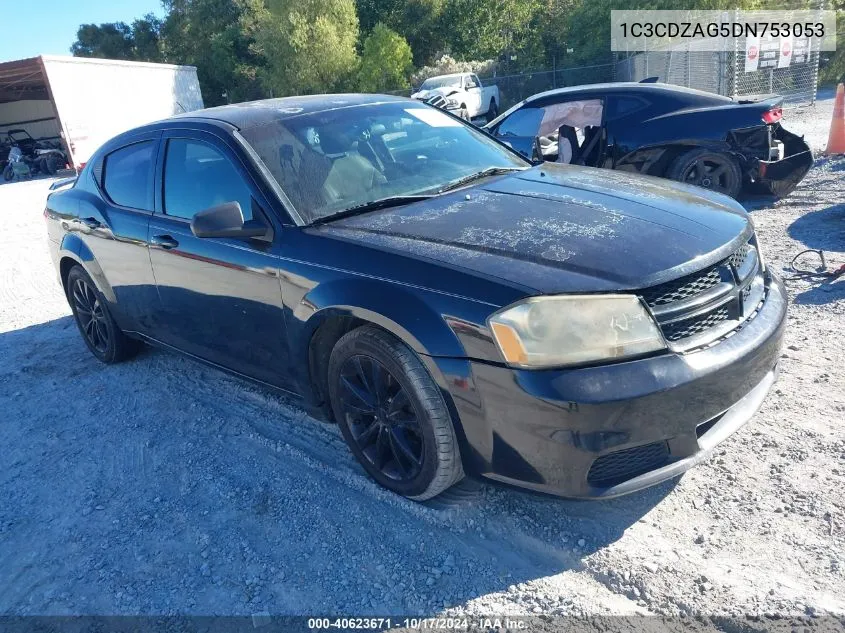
(573, 329)
(452, 103)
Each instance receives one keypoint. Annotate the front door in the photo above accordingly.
(570, 131)
(220, 298)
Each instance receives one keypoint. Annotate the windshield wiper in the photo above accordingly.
(484, 173)
(373, 205)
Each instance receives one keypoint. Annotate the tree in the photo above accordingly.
(110, 41)
(386, 61)
(146, 39)
(309, 45)
(216, 36)
(483, 29)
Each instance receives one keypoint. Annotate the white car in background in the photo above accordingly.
(461, 93)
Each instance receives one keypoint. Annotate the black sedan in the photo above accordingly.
(454, 308)
(731, 146)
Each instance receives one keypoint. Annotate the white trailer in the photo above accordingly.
(82, 102)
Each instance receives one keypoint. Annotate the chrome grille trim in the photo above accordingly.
(698, 309)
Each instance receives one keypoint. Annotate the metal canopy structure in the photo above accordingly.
(23, 79)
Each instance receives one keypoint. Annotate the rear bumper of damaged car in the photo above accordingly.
(780, 177)
(605, 431)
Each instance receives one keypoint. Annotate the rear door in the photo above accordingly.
(220, 297)
(116, 202)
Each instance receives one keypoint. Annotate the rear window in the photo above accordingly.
(128, 176)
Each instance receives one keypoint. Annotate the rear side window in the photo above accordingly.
(198, 176)
(622, 106)
(128, 176)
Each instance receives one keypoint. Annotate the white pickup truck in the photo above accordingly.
(461, 93)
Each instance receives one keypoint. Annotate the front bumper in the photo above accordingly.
(606, 431)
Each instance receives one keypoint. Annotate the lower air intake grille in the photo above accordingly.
(615, 468)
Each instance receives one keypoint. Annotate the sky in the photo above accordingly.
(35, 27)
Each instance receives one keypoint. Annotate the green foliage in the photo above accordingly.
(386, 61)
(250, 49)
(216, 36)
(116, 40)
(308, 46)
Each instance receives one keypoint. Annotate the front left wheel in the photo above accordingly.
(392, 414)
(95, 323)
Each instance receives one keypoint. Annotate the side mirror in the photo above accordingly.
(226, 220)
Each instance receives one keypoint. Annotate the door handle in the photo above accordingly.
(164, 241)
(91, 223)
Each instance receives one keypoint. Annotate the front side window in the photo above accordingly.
(128, 176)
(198, 176)
(332, 161)
(524, 122)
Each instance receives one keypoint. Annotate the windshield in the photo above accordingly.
(441, 82)
(329, 162)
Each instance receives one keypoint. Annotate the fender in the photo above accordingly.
(425, 331)
(73, 247)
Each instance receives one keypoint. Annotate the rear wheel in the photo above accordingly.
(711, 170)
(392, 414)
(8, 173)
(95, 323)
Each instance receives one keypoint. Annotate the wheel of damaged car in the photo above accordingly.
(710, 170)
(392, 414)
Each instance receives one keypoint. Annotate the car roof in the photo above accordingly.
(253, 113)
(632, 86)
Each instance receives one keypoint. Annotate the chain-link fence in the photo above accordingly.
(750, 69)
(514, 88)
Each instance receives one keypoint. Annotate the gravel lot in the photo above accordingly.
(162, 486)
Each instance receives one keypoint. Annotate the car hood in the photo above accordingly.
(561, 228)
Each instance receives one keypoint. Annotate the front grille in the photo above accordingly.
(738, 258)
(617, 467)
(691, 327)
(708, 301)
(438, 101)
(682, 288)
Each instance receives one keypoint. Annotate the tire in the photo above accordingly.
(413, 450)
(492, 111)
(8, 173)
(711, 170)
(99, 330)
(464, 113)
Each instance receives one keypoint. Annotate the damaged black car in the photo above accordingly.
(456, 310)
(732, 146)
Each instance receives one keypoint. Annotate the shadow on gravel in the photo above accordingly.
(823, 230)
(143, 487)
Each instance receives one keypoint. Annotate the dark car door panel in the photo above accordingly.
(219, 298)
(116, 234)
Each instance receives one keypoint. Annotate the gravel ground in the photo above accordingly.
(160, 486)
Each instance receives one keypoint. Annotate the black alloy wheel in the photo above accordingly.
(97, 326)
(381, 418)
(392, 414)
(91, 315)
(710, 170)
